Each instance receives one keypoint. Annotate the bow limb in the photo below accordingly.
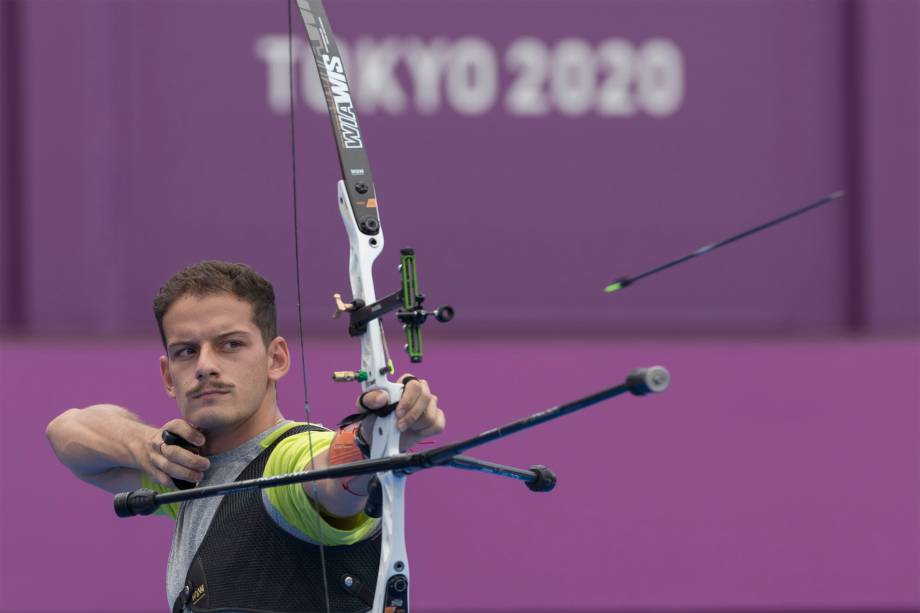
(358, 207)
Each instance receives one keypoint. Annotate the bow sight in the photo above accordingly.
(407, 302)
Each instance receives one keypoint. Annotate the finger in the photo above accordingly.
(432, 423)
(411, 437)
(434, 430)
(186, 430)
(158, 463)
(373, 399)
(412, 392)
(149, 467)
(160, 477)
(421, 415)
(177, 471)
(185, 458)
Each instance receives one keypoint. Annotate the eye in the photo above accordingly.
(183, 352)
(233, 343)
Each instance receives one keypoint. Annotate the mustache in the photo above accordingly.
(210, 386)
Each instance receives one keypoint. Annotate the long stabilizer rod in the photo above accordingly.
(627, 281)
(639, 383)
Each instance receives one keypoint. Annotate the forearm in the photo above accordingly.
(97, 439)
(348, 497)
(330, 494)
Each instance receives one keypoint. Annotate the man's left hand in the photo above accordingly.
(417, 414)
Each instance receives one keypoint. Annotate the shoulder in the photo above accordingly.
(292, 451)
(300, 431)
(293, 445)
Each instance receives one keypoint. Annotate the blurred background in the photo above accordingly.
(531, 151)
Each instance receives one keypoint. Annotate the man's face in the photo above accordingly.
(217, 366)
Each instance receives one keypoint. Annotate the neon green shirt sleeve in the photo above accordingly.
(292, 455)
(167, 510)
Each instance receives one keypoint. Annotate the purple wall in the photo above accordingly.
(11, 260)
(156, 135)
(141, 136)
(889, 155)
(771, 475)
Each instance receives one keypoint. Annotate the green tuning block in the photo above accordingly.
(409, 279)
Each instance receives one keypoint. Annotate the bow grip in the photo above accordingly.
(390, 407)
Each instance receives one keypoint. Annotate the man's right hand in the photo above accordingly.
(110, 447)
(164, 462)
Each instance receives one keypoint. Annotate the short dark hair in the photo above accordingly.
(214, 277)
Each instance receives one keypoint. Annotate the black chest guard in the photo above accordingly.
(247, 563)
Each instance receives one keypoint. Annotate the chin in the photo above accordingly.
(209, 417)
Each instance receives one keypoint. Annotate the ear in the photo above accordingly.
(167, 377)
(279, 358)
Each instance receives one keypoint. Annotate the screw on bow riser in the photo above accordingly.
(627, 281)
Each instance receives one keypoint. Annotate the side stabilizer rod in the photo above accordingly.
(537, 478)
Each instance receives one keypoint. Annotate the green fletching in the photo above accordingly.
(613, 287)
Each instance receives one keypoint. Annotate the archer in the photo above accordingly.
(222, 364)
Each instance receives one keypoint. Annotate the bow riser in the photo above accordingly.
(363, 250)
(394, 565)
(392, 591)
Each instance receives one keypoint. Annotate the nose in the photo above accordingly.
(207, 364)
